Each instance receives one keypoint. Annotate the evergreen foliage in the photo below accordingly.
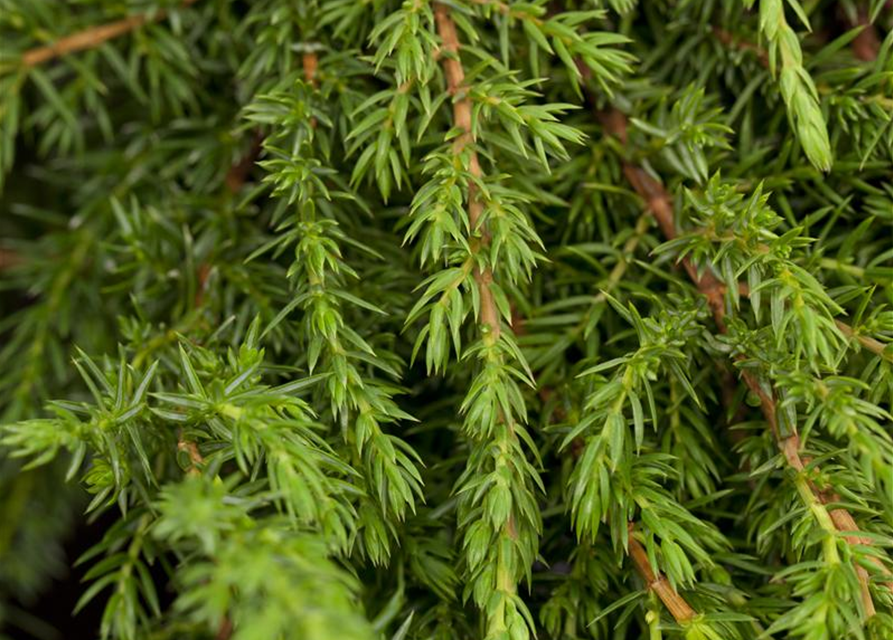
(455, 319)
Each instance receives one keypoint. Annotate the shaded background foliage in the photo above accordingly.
(457, 320)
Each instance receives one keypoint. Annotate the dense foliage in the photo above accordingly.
(468, 319)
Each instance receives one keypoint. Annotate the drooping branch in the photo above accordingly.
(196, 462)
(659, 203)
(238, 173)
(506, 566)
(92, 37)
(455, 76)
(657, 583)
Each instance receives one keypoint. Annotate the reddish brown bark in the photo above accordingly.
(675, 603)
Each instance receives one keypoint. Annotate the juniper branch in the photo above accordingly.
(497, 621)
(796, 85)
(874, 345)
(455, 75)
(659, 203)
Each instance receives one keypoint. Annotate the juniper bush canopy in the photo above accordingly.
(458, 319)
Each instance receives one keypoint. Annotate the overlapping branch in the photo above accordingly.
(655, 582)
(660, 205)
(865, 47)
(682, 612)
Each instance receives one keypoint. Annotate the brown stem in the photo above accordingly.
(234, 180)
(675, 603)
(310, 63)
(867, 45)
(661, 207)
(732, 42)
(8, 259)
(455, 76)
(196, 460)
(659, 204)
(204, 272)
(91, 38)
(238, 173)
(226, 629)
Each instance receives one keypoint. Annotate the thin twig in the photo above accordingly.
(196, 461)
(201, 284)
(310, 64)
(660, 206)
(92, 37)
(875, 346)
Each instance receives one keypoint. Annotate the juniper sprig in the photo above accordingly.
(456, 319)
